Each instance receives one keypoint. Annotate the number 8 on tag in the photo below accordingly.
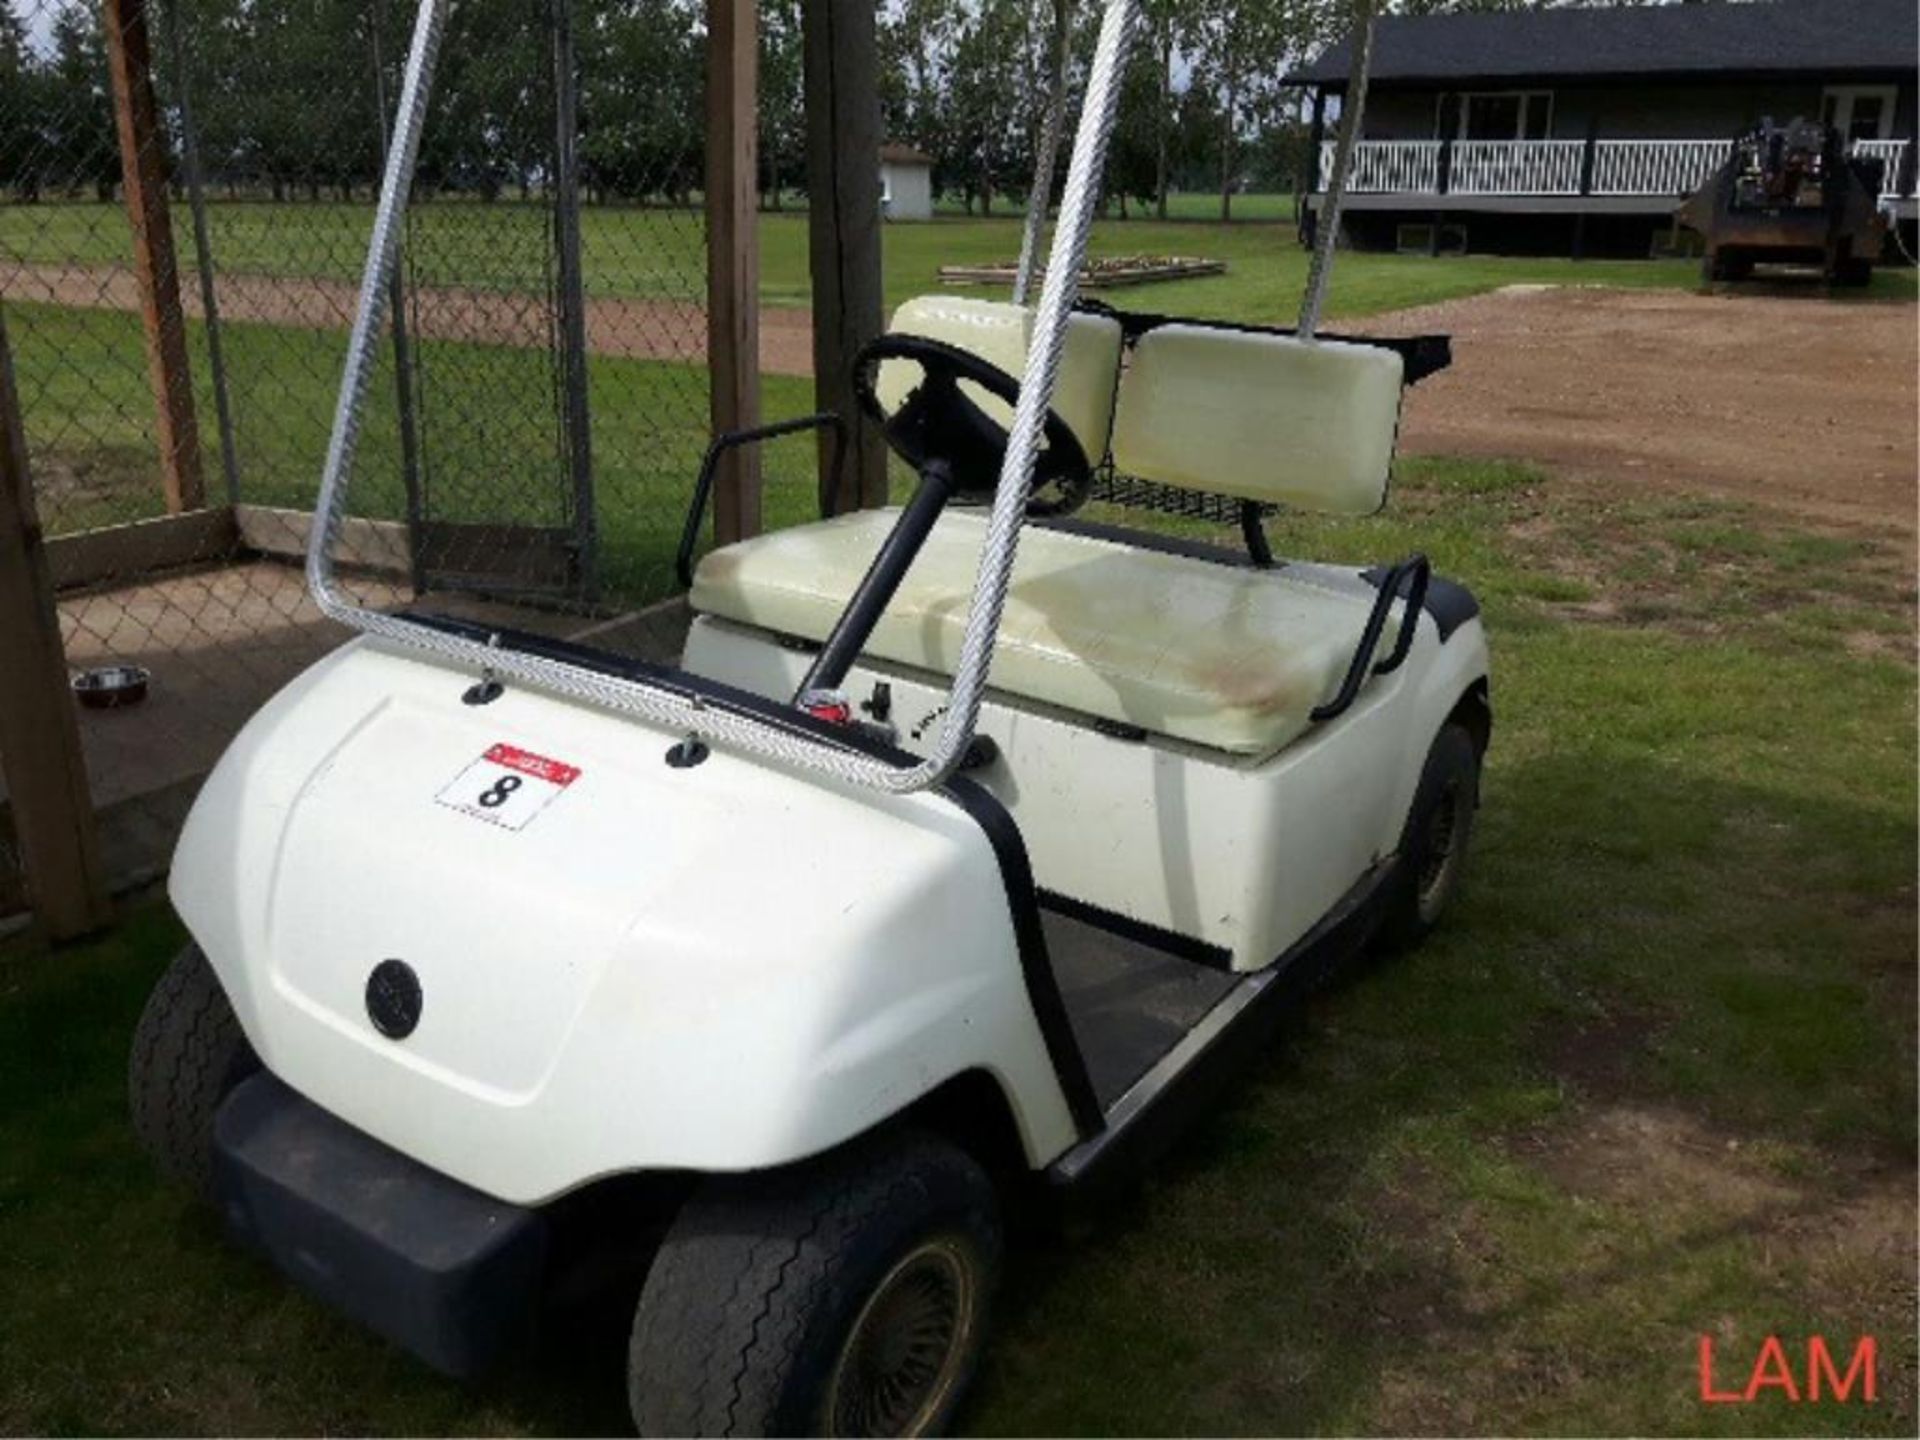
(507, 786)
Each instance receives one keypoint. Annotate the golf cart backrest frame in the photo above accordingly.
(1420, 355)
(494, 660)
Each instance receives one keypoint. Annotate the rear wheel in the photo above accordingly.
(188, 1052)
(1728, 263)
(1433, 847)
(844, 1296)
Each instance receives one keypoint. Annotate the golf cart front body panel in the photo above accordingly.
(597, 991)
(1245, 854)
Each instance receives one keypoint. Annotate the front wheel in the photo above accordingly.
(1433, 847)
(843, 1296)
(188, 1052)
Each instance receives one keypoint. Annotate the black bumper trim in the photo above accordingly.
(439, 1269)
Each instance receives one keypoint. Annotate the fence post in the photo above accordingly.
(143, 171)
(841, 54)
(203, 253)
(570, 299)
(39, 737)
(733, 259)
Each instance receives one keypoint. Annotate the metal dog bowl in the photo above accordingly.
(108, 687)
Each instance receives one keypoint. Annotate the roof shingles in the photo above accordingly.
(1755, 37)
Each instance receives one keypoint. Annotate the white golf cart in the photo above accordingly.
(785, 966)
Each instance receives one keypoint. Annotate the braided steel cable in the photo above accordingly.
(687, 714)
(1352, 108)
(1049, 152)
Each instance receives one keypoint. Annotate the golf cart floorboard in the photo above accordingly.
(1129, 1002)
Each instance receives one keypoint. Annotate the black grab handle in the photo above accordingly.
(1414, 568)
(733, 440)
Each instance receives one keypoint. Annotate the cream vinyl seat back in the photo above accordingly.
(999, 333)
(1304, 423)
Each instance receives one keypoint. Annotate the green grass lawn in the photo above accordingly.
(660, 254)
(487, 423)
(1655, 1079)
(1194, 205)
(488, 410)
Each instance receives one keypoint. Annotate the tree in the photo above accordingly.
(643, 98)
(783, 119)
(21, 141)
(917, 41)
(1161, 34)
(1135, 153)
(1240, 47)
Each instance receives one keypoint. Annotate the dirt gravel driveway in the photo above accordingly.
(1781, 398)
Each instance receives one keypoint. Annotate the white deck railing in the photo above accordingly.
(1516, 167)
(1655, 167)
(1889, 153)
(1552, 167)
(1388, 167)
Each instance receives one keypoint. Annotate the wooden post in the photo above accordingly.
(733, 259)
(841, 52)
(1588, 152)
(144, 175)
(39, 737)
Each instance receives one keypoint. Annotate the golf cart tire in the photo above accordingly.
(1853, 271)
(1415, 905)
(188, 1053)
(1728, 264)
(763, 1279)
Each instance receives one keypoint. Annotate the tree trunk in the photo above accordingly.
(1160, 123)
(1226, 155)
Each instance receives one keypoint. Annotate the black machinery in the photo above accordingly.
(1791, 195)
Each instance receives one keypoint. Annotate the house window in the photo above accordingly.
(1859, 112)
(1506, 115)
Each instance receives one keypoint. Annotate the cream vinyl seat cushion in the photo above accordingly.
(1228, 657)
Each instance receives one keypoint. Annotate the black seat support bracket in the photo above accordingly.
(1412, 573)
(733, 440)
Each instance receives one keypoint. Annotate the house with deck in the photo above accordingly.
(1580, 130)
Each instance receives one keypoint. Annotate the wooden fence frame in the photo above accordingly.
(39, 735)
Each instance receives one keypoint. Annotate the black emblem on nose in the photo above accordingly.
(393, 999)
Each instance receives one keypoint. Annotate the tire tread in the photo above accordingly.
(188, 1050)
(771, 1245)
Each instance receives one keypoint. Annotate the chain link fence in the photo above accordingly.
(186, 193)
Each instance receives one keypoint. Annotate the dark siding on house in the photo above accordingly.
(1699, 110)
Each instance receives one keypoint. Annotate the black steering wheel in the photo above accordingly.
(938, 423)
